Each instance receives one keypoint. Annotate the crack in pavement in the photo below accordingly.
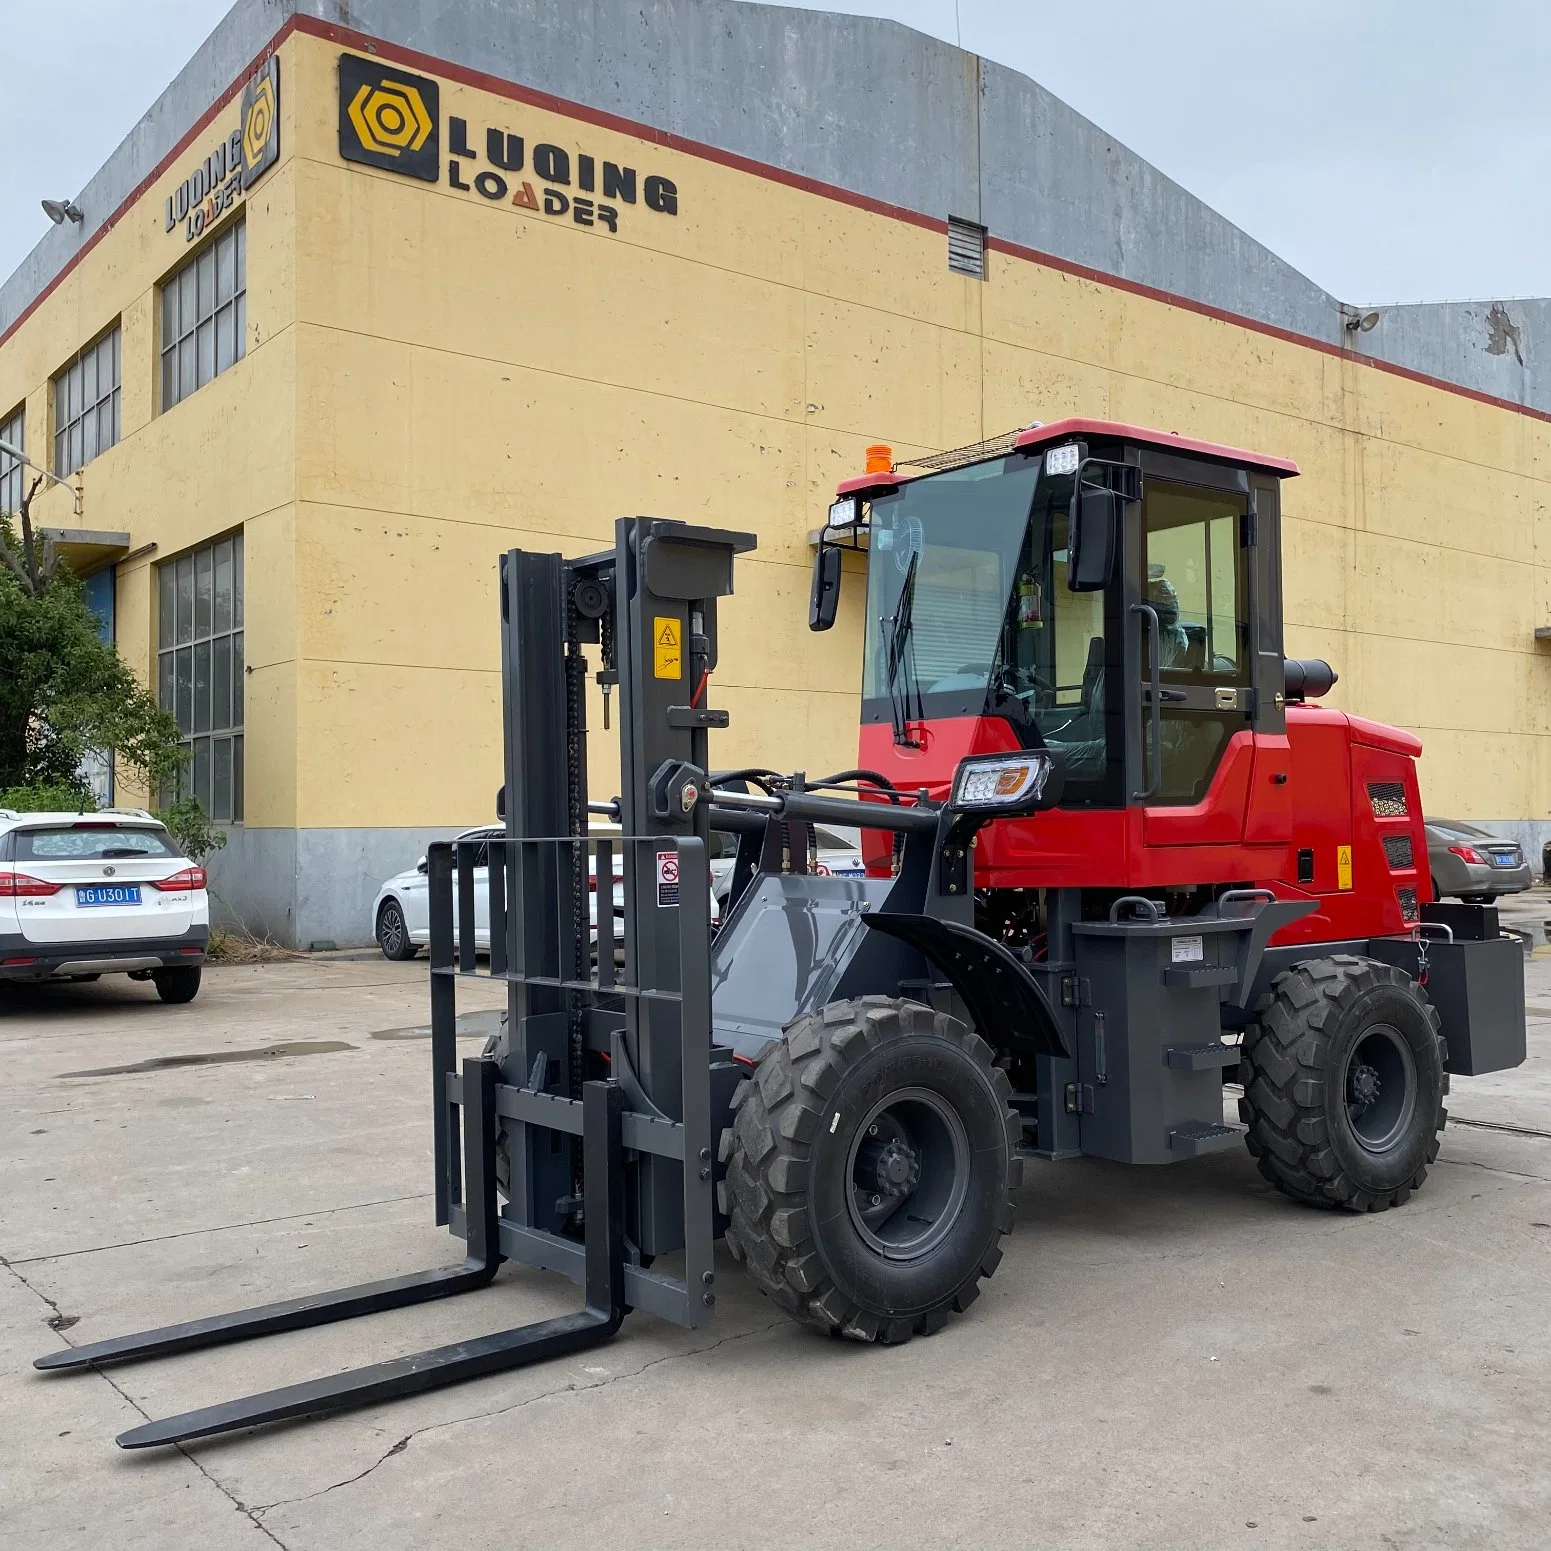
(1492, 1168)
(191, 1233)
(571, 1388)
(248, 1513)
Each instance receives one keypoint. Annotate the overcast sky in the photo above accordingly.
(1393, 150)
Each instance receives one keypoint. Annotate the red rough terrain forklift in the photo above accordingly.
(1116, 860)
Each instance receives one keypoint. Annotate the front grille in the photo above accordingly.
(1388, 799)
(1398, 849)
(1408, 910)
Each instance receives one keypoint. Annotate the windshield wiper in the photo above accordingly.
(897, 671)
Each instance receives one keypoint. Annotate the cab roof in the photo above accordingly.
(1034, 437)
(1167, 441)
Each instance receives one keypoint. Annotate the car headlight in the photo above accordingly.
(1002, 783)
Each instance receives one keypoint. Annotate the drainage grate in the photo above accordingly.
(1398, 849)
(966, 248)
(1388, 799)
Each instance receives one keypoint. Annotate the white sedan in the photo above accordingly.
(838, 855)
(401, 913)
(89, 894)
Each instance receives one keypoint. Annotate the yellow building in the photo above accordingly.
(343, 319)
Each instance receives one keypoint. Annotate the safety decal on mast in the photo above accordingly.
(667, 648)
(667, 878)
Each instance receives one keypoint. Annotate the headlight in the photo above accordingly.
(1063, 460)
(1009, 783)
(846, 512)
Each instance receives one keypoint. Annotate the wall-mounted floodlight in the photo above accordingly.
(1366, 321)
(61, 210)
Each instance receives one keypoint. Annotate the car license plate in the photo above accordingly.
(849, 872)
(1505, 859)
(108, 894)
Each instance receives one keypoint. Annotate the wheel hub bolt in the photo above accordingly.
(1365, 1085)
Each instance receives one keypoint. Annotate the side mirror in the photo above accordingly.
(825, 597)
(421, 865)
(1091, 530)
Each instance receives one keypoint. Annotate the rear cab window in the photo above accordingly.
(92, 843)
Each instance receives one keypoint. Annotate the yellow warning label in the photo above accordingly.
(667, 648)
(1343, 867)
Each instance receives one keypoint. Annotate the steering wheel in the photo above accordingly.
(1014, 674)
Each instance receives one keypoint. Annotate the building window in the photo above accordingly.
(199, 669)
(204, 315)
(86, 405)
(12, 488)
(966, 248)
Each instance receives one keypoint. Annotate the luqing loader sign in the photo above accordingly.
(236, 164)
(391, 119)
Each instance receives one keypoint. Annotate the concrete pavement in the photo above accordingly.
(1167, 1358)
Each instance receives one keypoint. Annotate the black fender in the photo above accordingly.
(1001, 995)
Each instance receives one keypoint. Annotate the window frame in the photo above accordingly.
(71, 412)
(200, 669)
(13, 476)
(202, 315)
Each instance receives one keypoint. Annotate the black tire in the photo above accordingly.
(1478, 899)
(1344, 1083)
(393, 933)
(910, 1095)
(179, 984)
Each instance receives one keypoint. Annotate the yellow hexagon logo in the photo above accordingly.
(390, 117)
(259, 123)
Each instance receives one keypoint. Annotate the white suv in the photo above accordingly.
(89, 894)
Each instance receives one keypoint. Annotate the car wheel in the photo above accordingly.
(1479, 899)
(180, 984)
(393, 932)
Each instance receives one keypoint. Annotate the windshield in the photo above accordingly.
(973, 565)
(963, 530)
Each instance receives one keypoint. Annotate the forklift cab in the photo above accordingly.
(1110, 592)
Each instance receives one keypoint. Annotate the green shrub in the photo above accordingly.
(190, 826)
(48, 799)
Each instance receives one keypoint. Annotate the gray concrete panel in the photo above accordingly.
(253, 883)
(1492, 346)
(1054, 181)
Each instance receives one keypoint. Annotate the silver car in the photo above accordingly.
(1470, 864)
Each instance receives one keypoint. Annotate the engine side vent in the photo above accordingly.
(1408, 910)
(1388, 799)
(966, 248)
(1398, 849)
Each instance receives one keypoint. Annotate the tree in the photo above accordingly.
(64, 691)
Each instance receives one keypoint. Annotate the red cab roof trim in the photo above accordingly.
(872, 484)
(1169, 441)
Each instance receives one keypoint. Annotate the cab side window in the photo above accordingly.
(1198, 587)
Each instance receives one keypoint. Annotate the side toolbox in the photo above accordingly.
(1150, 1054)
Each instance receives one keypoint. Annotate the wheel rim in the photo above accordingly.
(1379, 1088)
(907, 1174)
(390, 931)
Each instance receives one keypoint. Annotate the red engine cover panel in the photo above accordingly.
(1271, 799)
